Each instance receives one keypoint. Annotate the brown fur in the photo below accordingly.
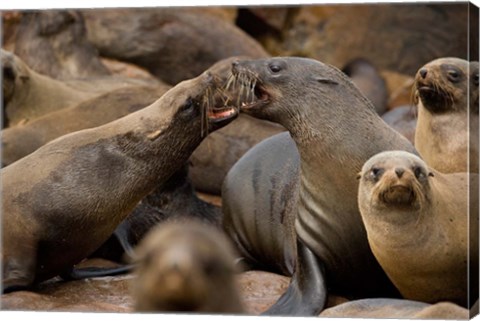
(23, 139)
(186, 267)
(28, 95)
(396, 309)
(173, 44)
(447, 127)
(53, 43)
(321, 108)
(87, 182)
(419, 231)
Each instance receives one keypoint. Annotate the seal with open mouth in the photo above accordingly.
(63, 201)
(447, 127)
(417, 226)
(335, 129)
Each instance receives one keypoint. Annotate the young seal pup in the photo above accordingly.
(85, 183)
(417, 226)
(186, 267)
(447, 126)
(335, 129)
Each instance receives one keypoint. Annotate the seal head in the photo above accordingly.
(396, 183)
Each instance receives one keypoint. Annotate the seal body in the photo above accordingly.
(174, 200)
(54, 43)
(173, 44)
(368, 79)
(259, 196)
(396, 308)
(22, 139)
(320, 107)
(417, 226)
(28, 95)
(447, 127)
(87, 182)
(186, 267)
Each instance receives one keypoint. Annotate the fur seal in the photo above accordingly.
(212, 160)
(320, 107)
(23, 139)
(172, 43)
(395, 309)
(417, 222)
(87, 182)
(403, 119)
(174, 200)
(447, 126)
(186, 266)
(370, 82)
(54, 43)
(28, 94)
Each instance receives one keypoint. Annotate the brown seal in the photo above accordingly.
(417, 225)
(186, 266)
(321, 108)
(403, 119)
(173, 200)
(368, 79)
(54, 43)
(23, 139)
(28, 94)
(395, 309)
(447, 126)
(172, 43)
(87, 182)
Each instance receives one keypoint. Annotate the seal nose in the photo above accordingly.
(423, 73)
(399, 172)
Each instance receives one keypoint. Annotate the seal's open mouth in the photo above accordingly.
(217, 114)
(249, 92)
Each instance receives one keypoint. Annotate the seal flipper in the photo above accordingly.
(307, 293)
(95, 272)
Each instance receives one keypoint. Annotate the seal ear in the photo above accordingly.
(359, 175)
(431, 174)
(323, 80)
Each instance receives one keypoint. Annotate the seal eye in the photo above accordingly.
(375, 173)
(453, 75)
(275, 68)
(418, 171)
(475, 80)
(189, 104)
(8, 73)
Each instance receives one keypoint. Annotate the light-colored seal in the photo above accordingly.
(321, 108)
(417, 222)
(85, 183)
(447, 127)
(28, 95)
(186, 267)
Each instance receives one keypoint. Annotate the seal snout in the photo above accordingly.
(399, 172)
(423, 73)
